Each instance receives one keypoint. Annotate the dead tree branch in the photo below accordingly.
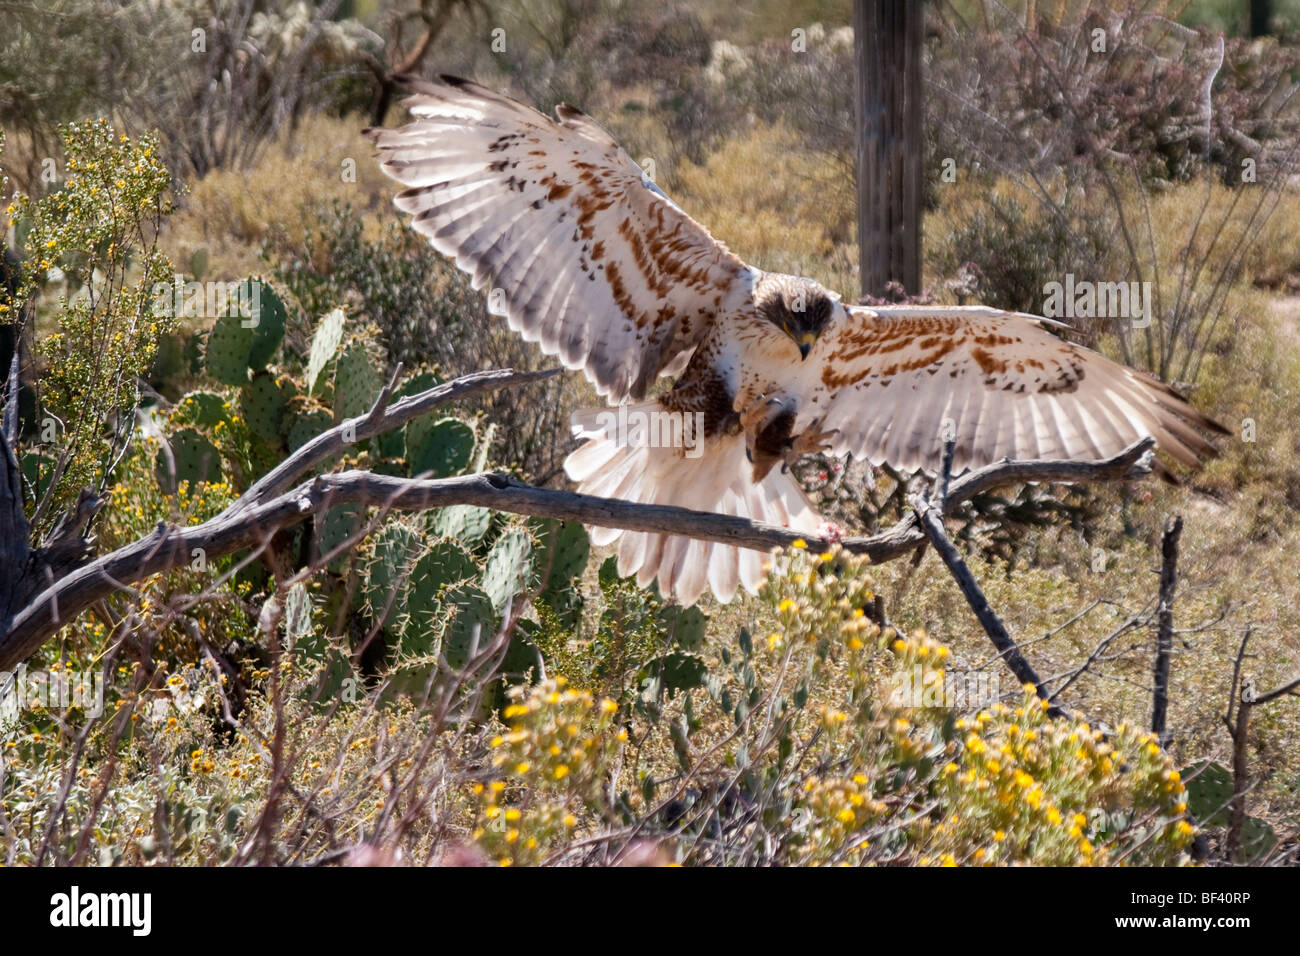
(274, 503)
(1245, 698)
(929, 511)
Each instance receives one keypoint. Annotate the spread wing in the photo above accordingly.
(582, 253)
(894, 380)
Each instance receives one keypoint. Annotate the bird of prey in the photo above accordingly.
(586, 256)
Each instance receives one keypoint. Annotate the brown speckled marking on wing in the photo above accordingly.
(888, 379)
(594, 263)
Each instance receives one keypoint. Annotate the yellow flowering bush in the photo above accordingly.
(910, 777)
(549, 770)
(93, 262)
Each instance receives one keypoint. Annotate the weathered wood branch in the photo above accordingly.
(929, 511)
(273, 503)
(381, 418)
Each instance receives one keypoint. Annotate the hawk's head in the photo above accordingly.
(798, 307)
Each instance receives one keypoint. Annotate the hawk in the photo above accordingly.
(587, 257)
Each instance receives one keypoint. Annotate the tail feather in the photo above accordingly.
(714, 477)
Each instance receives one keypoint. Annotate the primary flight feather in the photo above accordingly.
(586, 256)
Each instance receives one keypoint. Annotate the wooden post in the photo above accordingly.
(890, 110)
(1261, 17)
(1165, 628)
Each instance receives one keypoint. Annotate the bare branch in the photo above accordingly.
(929, 511)
(380, 418)
(272, 504)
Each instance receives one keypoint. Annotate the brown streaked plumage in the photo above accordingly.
(598, 266)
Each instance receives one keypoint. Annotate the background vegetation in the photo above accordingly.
(465, 687)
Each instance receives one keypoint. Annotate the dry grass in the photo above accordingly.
(233, 214)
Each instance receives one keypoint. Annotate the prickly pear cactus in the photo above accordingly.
(358, 378)
(392, 444)
(198, 262)
(677, 672)
(509, 567)
(522, 663)
(686, 626)
(446, 564)
(196, 460)
(562, 552)
(266, 313)
(304, 420)
(394, 552)
(262, 404)
(466, 523)
(228, 348)
(1209, 791)
(472, 621)
(193, 352)
(169, 360)
(337, 526)
(438, 449)
(298, 629)
(38, 469)
(522, 658)
(324, 345)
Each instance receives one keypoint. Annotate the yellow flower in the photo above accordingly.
(561, 772)
(799, 544)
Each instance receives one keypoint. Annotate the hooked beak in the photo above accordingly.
(805, 343)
